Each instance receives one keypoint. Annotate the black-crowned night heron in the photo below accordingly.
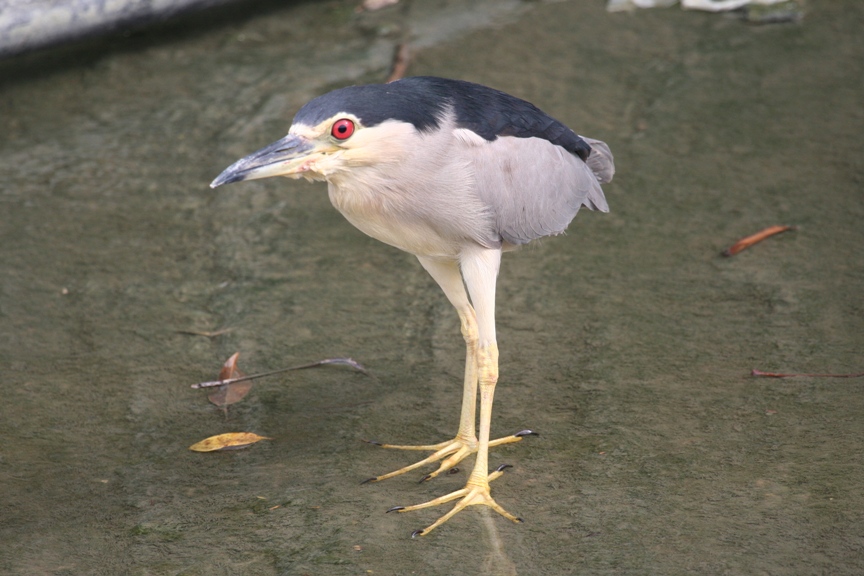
(454, 173)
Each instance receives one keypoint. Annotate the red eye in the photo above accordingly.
(342, 129)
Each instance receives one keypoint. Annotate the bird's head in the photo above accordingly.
(340, 131)
(313, 152)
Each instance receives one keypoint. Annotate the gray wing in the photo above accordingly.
(534, 188)
(600, 161)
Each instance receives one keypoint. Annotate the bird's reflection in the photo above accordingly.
(496, 562)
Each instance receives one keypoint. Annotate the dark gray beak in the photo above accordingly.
(284, 157)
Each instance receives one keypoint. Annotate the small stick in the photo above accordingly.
(762, 374)
(346, 361)
(401, 60)
(754, 238)
(207, 334)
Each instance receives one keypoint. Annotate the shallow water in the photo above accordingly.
(626, 343)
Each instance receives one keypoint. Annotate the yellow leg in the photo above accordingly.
(451, 452)
(476, 491)
(479, 270)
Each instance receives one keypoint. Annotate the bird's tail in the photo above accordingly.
(600, 160)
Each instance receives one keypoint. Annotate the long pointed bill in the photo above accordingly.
(286, 157)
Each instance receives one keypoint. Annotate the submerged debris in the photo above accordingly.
(372, 5)
(755, 11)
(789, 11)
(622, 5)
(401, 60)
(350, 362)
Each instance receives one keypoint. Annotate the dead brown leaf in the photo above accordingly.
(231, 392)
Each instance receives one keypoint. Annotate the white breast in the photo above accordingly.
(421, 202)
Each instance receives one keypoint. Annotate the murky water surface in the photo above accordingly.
(625, 343)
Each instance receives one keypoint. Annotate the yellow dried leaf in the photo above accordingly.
(229, 441)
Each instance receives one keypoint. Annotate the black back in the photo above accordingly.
(421, 101)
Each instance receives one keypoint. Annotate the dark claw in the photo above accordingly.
(526, 433)
(373, 442)
(503, 467)
(395, 509)
(453, 470)
(416, 533)
(368, 480)
(520, 520)
(425, 478)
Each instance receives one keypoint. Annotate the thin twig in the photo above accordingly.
(344, 361)
(401, 60)
(762, 374)
(754, 238)
(207, 334)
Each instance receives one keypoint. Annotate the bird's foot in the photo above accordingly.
(450, 453)
(475, 492)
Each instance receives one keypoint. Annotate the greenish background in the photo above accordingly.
(626, 343)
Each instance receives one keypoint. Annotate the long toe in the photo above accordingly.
(473, 494)
(449, 453)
